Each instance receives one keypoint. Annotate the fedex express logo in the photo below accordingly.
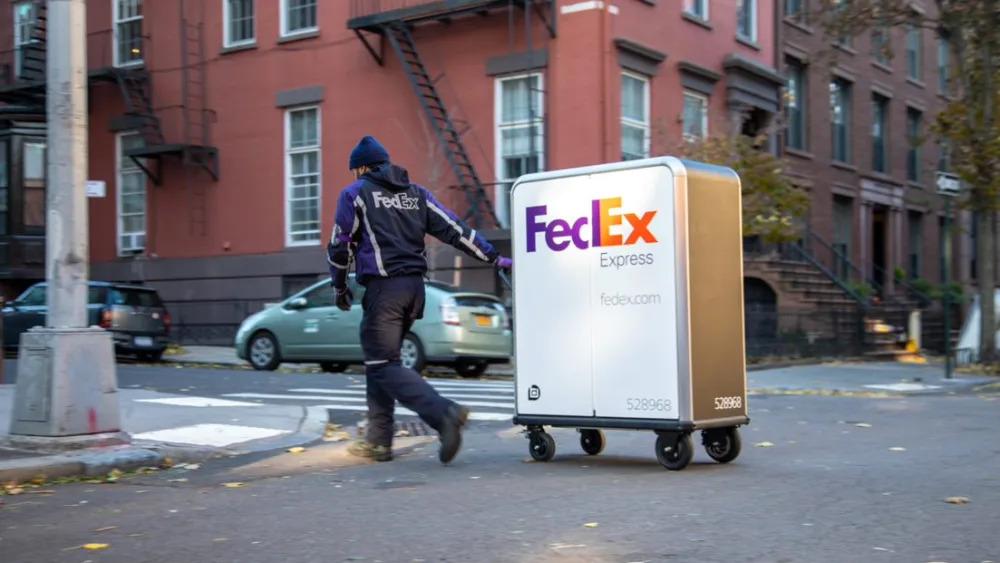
(588, 231)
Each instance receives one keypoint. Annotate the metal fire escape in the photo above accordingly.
(393, 22)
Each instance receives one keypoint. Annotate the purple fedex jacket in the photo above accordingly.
(381, 222)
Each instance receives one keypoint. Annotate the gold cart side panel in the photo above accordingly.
(715, 282)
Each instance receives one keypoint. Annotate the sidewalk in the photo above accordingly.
(162, 425)
(846, 378)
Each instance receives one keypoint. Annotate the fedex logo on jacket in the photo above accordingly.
(590, 230)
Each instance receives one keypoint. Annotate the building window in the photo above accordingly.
(916, 224)
(697, 8)
(302, 175)
(840, 119)
(695, 116)
(944, 156)
(298, 16)
(944, 65)
(128, 32)
(238, 23)
(131, 197)
(796, 105)
(635, 116)
(746, 20)
(843, 235)
(880, 44)
(794, 9)
(520, 134)
(914, 52)
(880, 113)
(33, 167)
(25, 19)
(913, 119)
(845, 40)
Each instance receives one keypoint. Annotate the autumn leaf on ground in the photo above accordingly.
(764, 445)
(96, 546)
(296, 450)
(39, 480)
(233, 485)
(863, 425)
(13, 490)
(113, 476)
(897, 449)
(106, 529)
(591, 525)
(957, 500)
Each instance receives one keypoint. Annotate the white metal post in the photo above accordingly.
(66, 383)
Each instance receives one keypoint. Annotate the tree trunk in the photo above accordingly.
(985, 264)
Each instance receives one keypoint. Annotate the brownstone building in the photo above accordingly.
(858, 138)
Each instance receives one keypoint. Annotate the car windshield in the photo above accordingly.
(135, 297)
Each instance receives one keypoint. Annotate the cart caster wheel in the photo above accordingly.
(592, 441)
(722, 444)
(542, 446)
(674, 452)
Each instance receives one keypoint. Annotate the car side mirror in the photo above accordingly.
(298, 303)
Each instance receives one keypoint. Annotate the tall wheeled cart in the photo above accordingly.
(628, 299)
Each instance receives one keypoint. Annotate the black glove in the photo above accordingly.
(344, 298)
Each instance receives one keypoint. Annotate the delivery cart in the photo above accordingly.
(628, 306)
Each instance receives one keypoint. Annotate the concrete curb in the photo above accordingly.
(99, 461)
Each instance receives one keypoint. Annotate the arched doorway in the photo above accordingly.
(760, 303)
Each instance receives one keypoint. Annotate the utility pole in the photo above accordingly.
(66, 387)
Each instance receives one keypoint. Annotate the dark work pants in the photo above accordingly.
(390, 307)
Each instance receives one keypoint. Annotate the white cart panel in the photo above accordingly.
(633, 300)
(553, 335)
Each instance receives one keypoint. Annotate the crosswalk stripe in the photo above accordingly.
(401, 411)
(349, 399)
(356, 392)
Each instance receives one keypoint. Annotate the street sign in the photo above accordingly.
(97, 188)
(948, 184)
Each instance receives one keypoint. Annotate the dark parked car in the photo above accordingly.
(135, 317)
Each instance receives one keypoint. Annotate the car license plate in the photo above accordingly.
(144, 341)
(484, 320)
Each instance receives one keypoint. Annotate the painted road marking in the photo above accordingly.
(354, 392)
(904, 387)
(197, 402)
(348, 399)
(400, 411)
(217, 435)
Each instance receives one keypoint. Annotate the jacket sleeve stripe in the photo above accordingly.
(468, 243)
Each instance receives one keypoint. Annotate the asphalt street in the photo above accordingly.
(820, 479)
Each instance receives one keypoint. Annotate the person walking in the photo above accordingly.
(382, 219)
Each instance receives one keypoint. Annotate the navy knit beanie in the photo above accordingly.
(368, 152)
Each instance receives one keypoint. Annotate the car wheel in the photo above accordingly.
(411, 353)
(333, 367)
(263, 352)
(471, 368)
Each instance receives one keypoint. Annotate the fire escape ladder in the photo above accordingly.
(136, 88)
(403, 45)
(195, 115)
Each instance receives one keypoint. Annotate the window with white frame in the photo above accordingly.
(520, 133)
(635, 116)
(302, 171)
(697, 8)
(914, 52)
(238, 22)
(298, 16)
(746, 20)
(131, 197)
(695, 116)
(25, 18)
(128, 32)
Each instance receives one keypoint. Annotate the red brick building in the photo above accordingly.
(221, 128)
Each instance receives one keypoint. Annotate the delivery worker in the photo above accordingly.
(381, 222)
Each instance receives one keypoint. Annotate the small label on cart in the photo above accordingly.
(534, 393)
